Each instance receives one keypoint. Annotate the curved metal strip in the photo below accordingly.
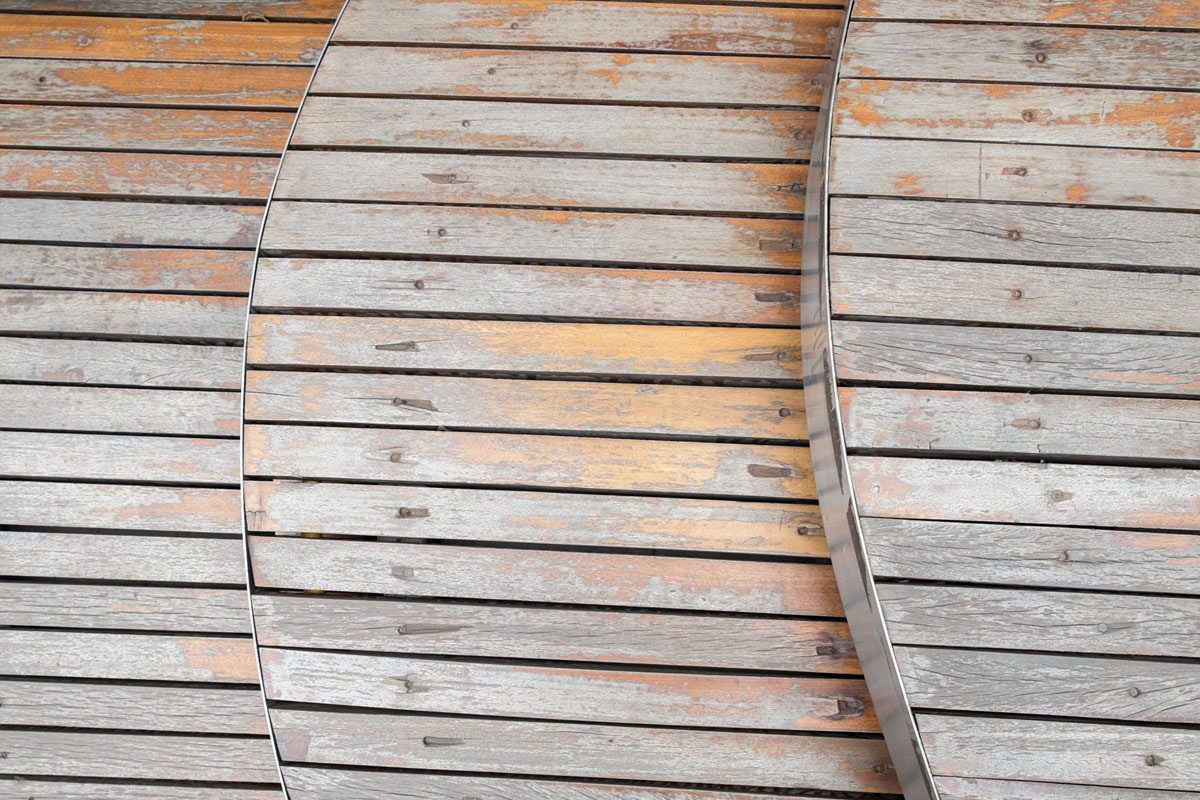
(831, 469)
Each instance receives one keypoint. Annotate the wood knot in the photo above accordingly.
(1027, 424)
(1058, 495)
(1154, 761)
(774, 297)
(491, 70)
(466, 123)
(1022, 171)
(1028, 359)
(1102, 627)
(396, 457)
(767, 471)
(1014, 235)
(1040, 58)
(827, 650)
(399, 347)
(785, 412)
(418, 284)
(1028, 115)
(411, 513)
(1017, 294)
(424, 405)
(1134, 691)
(440, 741)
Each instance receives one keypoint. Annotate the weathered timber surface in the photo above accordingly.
(134, 364)
(141, 608)
(94, 456)
(982, 789)
(112, 506)
(272, 9)
(21, 788)
(110, 557)
(125, 269)
(1181, 14)
(91, 313)
(87, 408)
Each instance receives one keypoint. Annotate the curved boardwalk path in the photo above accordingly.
(1015, 288)
(530, 510)
(137, 149)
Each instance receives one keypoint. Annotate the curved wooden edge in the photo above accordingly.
(831, 470)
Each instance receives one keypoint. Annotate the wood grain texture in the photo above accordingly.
(418, 570)
(638, 698)
(553, 127)
(134, 364)
(272, 9)
(621, 753)
(1038, 494)
(1032, 555)
(553, 634)
(107, 557)
(982, 789)
(123, 656)
(133, 608)
(1060, 686)
(571, 75)
(84, 408)
(91, 313)
(1053, 622)
(112, 506)
(1133, 13)
(22, 788)
(88, 456)
(560, 348)
(125, 269)
(1066, 752)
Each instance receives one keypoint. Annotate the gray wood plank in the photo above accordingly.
(107, 557)
(125, 268)
(1059, 686)
(88, 456)
(135, 508)
(87, 408)
(551, 693)
(141, 608)
(23, 788)
(151, 364)
(1181, 14)
(1065, 752)
(613, 752)
(423, 570)
(1059, 622)
(982, 789)
(37, 311)
(424, 628)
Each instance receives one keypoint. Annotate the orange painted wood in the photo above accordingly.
(273, 10)
(1134, 13)
(117, 507)
(33, 311)
(125, 269)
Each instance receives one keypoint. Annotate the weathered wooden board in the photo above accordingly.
(21, 788)
(587, 520)
(125, 269)
(111, 506)
(1031, 424)
(1067, 752)
(567, 406)
(1031, 555)
(71, 654)
(979, 789)
(113, 755)
(626, 697)
(108, 557)
(1014, 294)
(191, 709)
(746, 133)
(588, 24)
(1135, 13)
(1075, 236)
(144, 39)
(92, 313)
(1057, 622)
(591, 236)
(87, 456)
(615, 752)
(271, 9)
(554, 634)
(1015, 113)
(1015, 172)
(571, 75)
(1032, 494)
(1017, 358)
(151, 129)
(1020, 54)
(162, 411)
(139, 364)
(531, 181)
(1060, 686)
(525, 290)
(140, 608)
(560, 348)
(421, 570)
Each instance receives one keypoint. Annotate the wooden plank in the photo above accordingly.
(1014, 294)
(1060, 686)
(122, 656)
(561, 348)
(84, 408)
(1033, 424)
(87, 456)
(1132, 13)
(1038, 494)
(1016, 172)
(525, 290)
(142, 364)
(272, 9)
(107, 557)
(151, 129)
(984, 231)
(545, 518)
(1013, 113)
(1025, 54)
(140, 608)
(141, 175)
(1017, 358)
(125, 269)
(612, 752)
(112, 506)
(191, 709)
(497, 459)
(130, 223)
(626, 697)
(582, 578)
(91, 313)
(1067, 752)
(565, 406)
(556, 127)
(1031, 555)
(23, 788)
(571, 75)
(588, 24)
(977, 789)
(46, 80)
(589, 236)
(1053, 622)
(531, 181)
(491, 631)
(122, 755)
(141, 39)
